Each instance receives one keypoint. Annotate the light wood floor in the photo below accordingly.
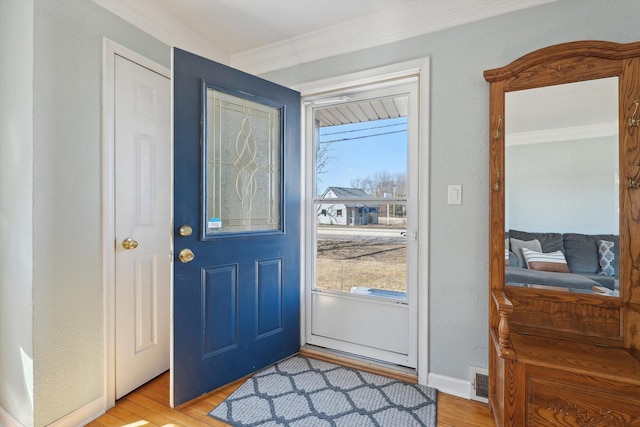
(148, 406)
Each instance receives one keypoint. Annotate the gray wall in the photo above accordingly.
(67, 274)
(459, 147)
(563, 186)
(16, 195)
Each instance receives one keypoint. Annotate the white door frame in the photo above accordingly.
(421, 68)
(109, 50)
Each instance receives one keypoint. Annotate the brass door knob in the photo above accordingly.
(185, 231)
(186, 255)
(129, 244)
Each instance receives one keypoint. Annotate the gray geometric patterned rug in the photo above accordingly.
(301, 392)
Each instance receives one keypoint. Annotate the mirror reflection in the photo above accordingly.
(561, 187)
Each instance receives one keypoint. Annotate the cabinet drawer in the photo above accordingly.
(552, 403)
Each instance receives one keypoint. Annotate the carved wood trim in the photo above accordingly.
(554, 399)
(496, 213)
(630, 205)
(582, 49)
(567, 409)
(505, 308)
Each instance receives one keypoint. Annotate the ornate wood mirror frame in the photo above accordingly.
(525, 321)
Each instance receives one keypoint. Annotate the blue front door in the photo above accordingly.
(236, 290)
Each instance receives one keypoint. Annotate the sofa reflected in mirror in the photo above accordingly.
(569, 262)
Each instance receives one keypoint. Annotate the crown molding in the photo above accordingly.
(412, 20)
(160, 24)
(597, 130)
(409, 20)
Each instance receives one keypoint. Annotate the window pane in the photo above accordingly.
(361, 154)
(371, 156)
(367, 259)
(243, 171)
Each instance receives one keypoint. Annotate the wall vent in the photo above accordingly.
(479, 384)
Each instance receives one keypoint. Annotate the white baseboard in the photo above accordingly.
(81, 416)
(450, 385)
(6, 420)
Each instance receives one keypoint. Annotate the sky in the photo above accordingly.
(360, 150)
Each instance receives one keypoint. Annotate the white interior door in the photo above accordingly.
(142, 224)
(363, 221)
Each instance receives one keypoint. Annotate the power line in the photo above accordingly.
(364, 129)
(362, 137)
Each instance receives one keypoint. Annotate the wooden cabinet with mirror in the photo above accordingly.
(564, 309)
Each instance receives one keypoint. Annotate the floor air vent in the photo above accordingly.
(479, 384)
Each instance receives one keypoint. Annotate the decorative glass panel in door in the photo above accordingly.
(243, 167)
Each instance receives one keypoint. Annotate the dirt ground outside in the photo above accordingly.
(343, 264)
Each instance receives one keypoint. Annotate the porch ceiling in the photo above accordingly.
(363, 111)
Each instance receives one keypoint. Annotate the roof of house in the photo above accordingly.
(347, 193)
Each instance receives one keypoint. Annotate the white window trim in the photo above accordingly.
(418, 67)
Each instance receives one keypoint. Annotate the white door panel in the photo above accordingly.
(347, 319)
(143, 214)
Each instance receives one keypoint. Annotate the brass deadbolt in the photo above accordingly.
(185, 231)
